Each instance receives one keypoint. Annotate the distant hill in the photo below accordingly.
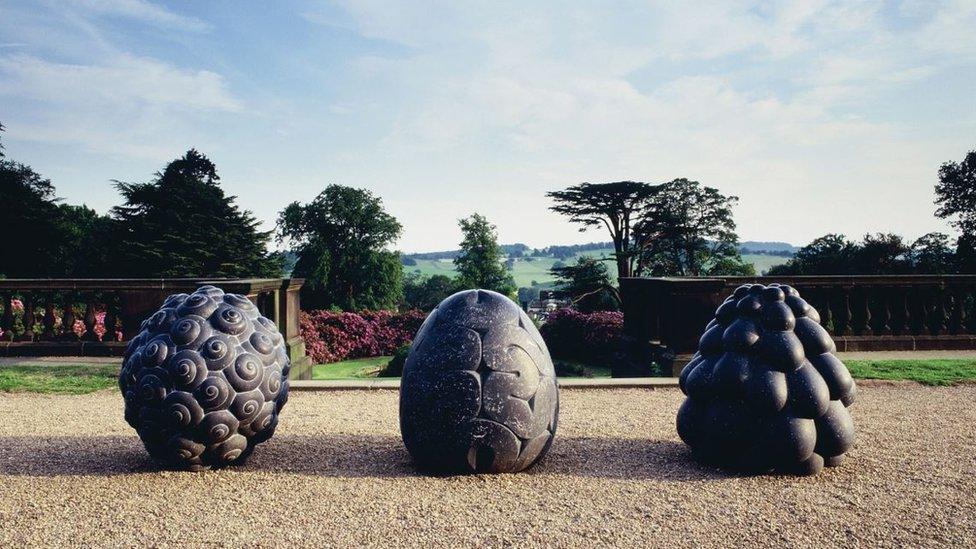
(571, 250)
(756, 247)
(531, 267)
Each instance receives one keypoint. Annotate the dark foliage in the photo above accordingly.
(424, 293)
(688, 230)
(878, 254)
(586, 338)
(341, 239)
(183, 225)
(956, 200)
(588, 284)
(479, 263)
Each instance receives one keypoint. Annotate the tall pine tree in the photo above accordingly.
(183, 225)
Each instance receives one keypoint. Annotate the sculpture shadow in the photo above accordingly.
(349, 455)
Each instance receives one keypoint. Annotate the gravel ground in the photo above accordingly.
(336, 474)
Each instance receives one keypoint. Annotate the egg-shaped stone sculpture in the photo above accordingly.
(204, 380)
(765, 391)
(479, 391)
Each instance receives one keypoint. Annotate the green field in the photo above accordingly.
(537, 269)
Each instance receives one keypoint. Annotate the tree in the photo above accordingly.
(32, 222)
(617, 206)
(88, 247)
(588, 284)
(829, 254)
(883, 253)
(956, 200)
(425, 293)
(479, 264)
(956, 193)
(931, 254)
(341, 239)
(183, 225)
(687, 230)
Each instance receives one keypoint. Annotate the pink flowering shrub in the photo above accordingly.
(17, 308)
(572, 335)
(333, 336)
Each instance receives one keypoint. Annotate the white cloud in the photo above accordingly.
(143, 11)
(128, 105)
(765, 101)
(124, 82)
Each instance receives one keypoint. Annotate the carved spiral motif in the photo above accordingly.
(479, 390)
(765, 390)
(204, 380)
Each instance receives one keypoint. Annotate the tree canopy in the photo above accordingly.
(588, 284)
(688, 230)
(32, 223)
(876, 254)
(618, 206)
(479, 264)
(426, 292)
(341, 239)
(182, 224)
(678, 228)
(956, 200)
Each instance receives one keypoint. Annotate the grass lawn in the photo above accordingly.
(81, 379)
(62, 379)
(358, 368)
(929, 372)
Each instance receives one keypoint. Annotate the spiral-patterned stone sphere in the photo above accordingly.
(204, 380)
(766, 393)
(479, 390)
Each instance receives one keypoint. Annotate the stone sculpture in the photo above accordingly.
(765, 390)
(479, 390)
(205, 380)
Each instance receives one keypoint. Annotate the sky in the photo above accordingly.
(820, 116)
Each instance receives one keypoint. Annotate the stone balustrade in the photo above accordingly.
(96, 317)
(866, 313)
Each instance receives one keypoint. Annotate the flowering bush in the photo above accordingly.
(582, 337)
(18, 329)
(333, 336)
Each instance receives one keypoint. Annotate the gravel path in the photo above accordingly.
(73, 473)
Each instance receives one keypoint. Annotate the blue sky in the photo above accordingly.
(821, 116)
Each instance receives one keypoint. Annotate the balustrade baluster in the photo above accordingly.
(921, 312)
(111, 320)
(29, 318)
(822, 295)
(68, 319)
(881, 316)
(964, 317)
(7, 320)
(89, 319)
(49, 319)
(955, 295)
(937, 316)
(900, 314)
(842, 314)
(861, 314)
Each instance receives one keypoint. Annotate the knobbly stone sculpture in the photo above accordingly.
(479, 390)
(204, 380)
(765, 390)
